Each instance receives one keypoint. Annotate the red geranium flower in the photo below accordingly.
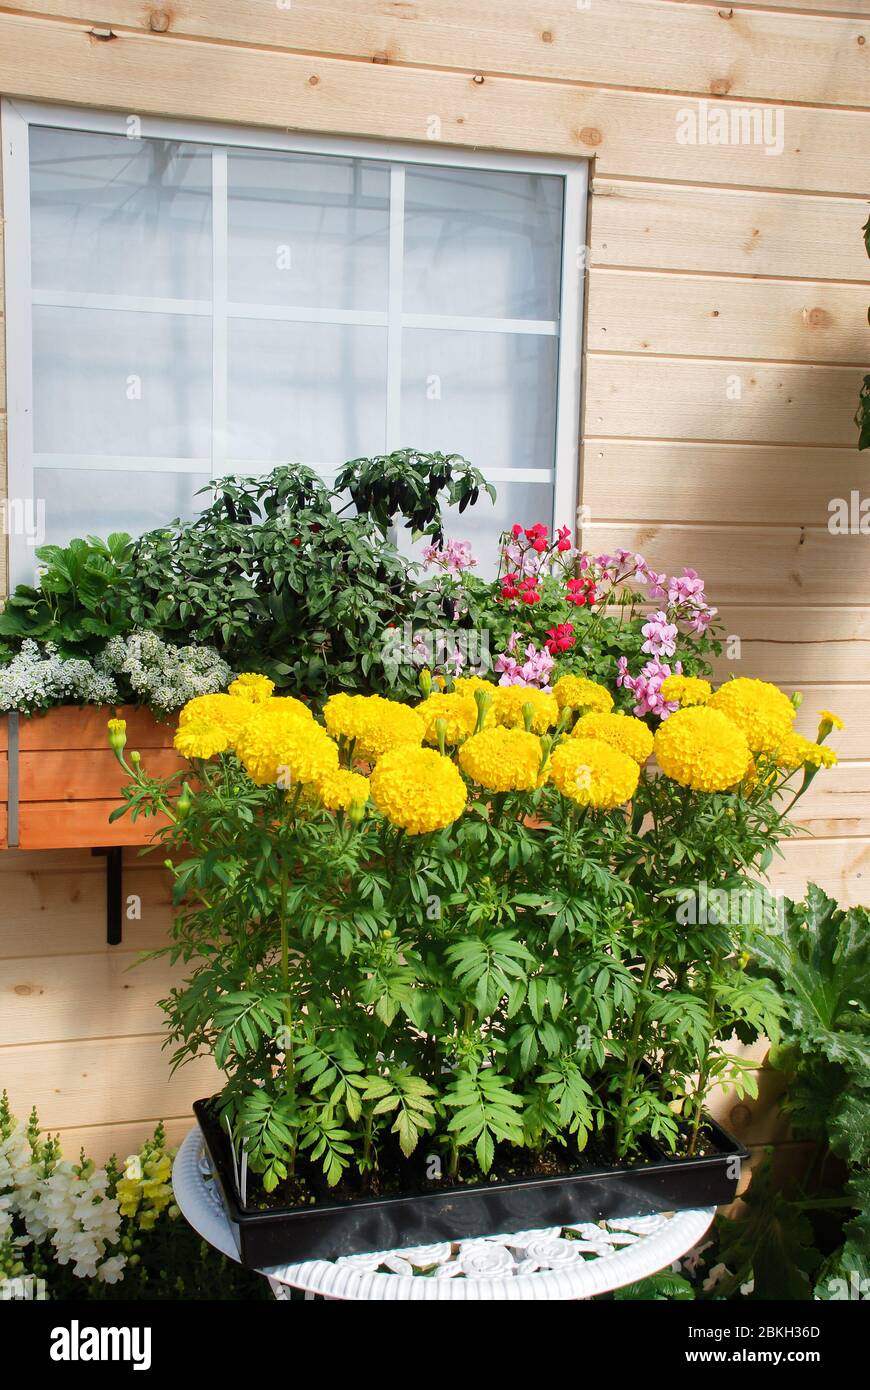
(580, 592)
(529, 590)
(537, 533)
(509, 586)
(560, 638)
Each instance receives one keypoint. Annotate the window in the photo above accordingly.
(186, 301)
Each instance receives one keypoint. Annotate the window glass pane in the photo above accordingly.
(312, 392)
(483, 523)
(308, 232)
(109, 382)
(489, 396)
(81, 502)
(481, 242)
(116, 216)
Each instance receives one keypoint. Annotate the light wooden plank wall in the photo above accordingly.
(726, 335)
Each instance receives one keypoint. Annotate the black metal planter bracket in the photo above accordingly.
(114, 891)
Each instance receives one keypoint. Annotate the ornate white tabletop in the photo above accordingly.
(561, 1262)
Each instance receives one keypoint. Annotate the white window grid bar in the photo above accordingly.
(19, 328)
(15, 119)
(566, 493)
(396, 259)
(220, 326)
(135, 463)
(365, 318)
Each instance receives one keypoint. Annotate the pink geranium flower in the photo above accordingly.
(647, 687)
(660, 636)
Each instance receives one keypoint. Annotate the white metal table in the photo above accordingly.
(570, 1262)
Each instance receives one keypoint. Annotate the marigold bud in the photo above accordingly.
(441, 735)
(483, 700)
(117, 734)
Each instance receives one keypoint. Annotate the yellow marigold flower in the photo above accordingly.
(592, 773)
(509, 702)
(761, 710)
(827, 722)
(418, 790)
(576, 692)
(281, 747)
(459, 713)
(797, 751)
(701, 749)
(346, 715)
(250, 686)
(621, 731)
(686, 690)
(117, 733)
(393, 726)
(503, 760)
(226, 711)
(290, 705)
(339, 790)
(373, 724)
(200, 739)
(466, 685)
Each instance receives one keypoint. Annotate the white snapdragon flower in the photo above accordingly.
(81, 1218)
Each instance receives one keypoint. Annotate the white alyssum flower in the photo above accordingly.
(140, 666)
(160, 674)
(38, 677)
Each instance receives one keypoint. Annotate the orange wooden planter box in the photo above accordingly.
(69, 781)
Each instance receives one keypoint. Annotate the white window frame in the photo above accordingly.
(16, 117)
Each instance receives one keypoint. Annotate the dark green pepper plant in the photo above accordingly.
(277, 573)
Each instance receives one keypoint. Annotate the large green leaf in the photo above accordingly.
(819, 956)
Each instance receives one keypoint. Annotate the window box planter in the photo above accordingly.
(658, 1183)
(61, 780)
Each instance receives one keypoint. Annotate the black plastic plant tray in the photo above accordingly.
(324, 1232)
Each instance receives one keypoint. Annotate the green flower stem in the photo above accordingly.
(632, 1058)
(367, 1138)
(289, 1062)
(810, 773)
(704, 1073)
(140, 777)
